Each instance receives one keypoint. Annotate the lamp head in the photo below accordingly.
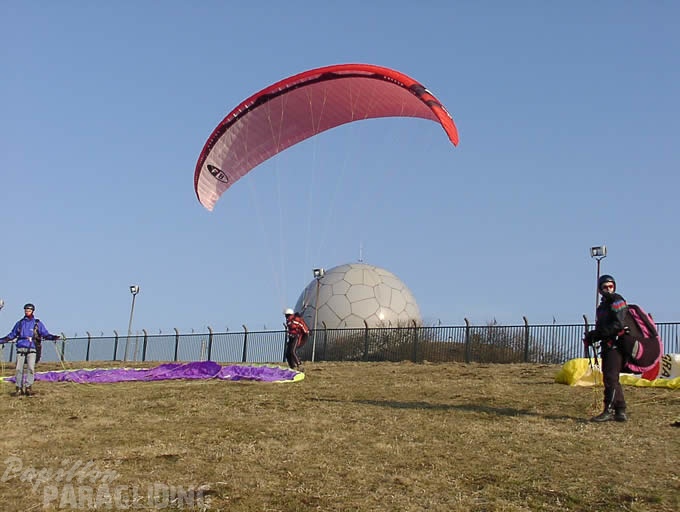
(599, 251)
(134, 289)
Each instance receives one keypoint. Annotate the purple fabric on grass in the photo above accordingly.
(170, 371)
(264, 373)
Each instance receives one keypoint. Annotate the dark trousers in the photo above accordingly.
(613, 361)
(291, 356)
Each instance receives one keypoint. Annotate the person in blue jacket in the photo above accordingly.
(28, 332)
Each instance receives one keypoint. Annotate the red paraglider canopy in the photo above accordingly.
(302, 106)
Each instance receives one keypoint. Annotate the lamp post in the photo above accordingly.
(134, 290)
(318, 274)
(599, 253)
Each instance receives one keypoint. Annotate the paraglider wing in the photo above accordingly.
(171, 371)
(302, 106)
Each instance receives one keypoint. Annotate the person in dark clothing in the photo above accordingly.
(28, 332)
(297, 332)
(616, 346)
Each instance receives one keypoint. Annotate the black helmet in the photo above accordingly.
(29, 306)
(606, 278)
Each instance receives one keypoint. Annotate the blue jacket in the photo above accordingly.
(23, 333)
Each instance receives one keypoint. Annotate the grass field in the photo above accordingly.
(349, 437)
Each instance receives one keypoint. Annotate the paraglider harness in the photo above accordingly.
(639, 341)
(646, 348)
(37, 339)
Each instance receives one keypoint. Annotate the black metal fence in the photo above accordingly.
(487, 344)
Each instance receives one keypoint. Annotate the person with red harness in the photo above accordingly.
(297, 332)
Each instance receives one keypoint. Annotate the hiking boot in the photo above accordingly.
(620, 415)
(29, 391)
(606, 415)
(17, 392)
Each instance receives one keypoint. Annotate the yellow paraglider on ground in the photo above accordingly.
(580, 372)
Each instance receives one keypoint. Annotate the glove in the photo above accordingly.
(55, 337)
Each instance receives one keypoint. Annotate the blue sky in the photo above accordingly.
(568, 119)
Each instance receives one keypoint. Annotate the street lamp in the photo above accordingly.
(599, 253)
(134, 290)
(318, 274)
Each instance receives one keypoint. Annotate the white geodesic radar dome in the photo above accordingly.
(349, 294)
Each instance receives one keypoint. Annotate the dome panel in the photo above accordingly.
(340, 288)
(398, 303)
(383, 293)
(354, 276)
(365, 308)
(340, 305)
(359, 292)
(371, 277)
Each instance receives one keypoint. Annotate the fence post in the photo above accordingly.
(210, 342)
(87, 351)
(415, 341)
(526, 339)
(467, 340)
(325, 339)
(244, 357)
(365, 341)
(146, 337)
(176, 342)
(586, 350)
(115, 344)
(63, 346)
(134, 357)
(285, 342)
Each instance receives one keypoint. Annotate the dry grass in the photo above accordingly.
(350, 437)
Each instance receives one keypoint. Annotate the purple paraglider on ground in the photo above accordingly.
(172, 371)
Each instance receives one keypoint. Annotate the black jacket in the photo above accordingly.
(611, 314)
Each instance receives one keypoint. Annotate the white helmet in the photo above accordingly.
(288, 312)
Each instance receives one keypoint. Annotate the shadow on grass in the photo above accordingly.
(472, 407)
